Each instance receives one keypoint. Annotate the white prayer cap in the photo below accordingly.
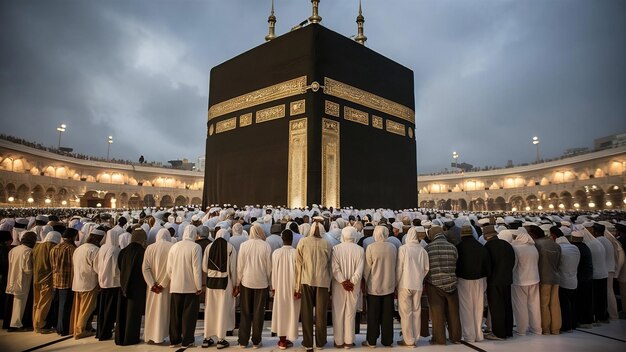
(588, 224)
(566, 223)
(566, 230)
(420, 229)
(500, 228)
(426, 223)
(318, 218)
(348, 234)
(500, 220)
(171, 218)
(509, 219)
(483, 221)
(578, 233)
(398, 225)
(195, 217)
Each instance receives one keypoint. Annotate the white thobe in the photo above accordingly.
(286, 309)
(154, 267)
(237, 240)
(124, 240)
(220, 318)
(411, 268)
(85, 275)
(347, 264)
(19, 281)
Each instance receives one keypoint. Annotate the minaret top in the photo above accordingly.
(272, 25)
(315, 18)
(360, 37)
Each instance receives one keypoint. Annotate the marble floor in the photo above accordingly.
(605, 338)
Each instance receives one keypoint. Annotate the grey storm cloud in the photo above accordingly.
(489, 75)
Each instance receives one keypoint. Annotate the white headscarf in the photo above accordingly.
(348, 234)
(223, 233)
(411, 236)
(53, 236)
(380, 233)
(506, 235)
(190, 233)
(523, 238)
(256, 232)
(163, 235)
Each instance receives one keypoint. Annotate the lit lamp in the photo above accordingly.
(536, 142)
(61, 129)
(609, 203)
(110, 141)
(98, 205)
(527, 208)
(551, 206)
(576, 205)
(561, 206)
(64, 202)
(540, 207)
(30, 200)
(11, 199)
(592, 205)
(455, 156)
(47, 201)
(514, 209)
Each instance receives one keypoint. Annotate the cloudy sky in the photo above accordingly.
(489, 75)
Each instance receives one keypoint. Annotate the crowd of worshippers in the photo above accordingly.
(473, 276)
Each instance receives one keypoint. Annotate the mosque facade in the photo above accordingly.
(595, 180)
(590, 181)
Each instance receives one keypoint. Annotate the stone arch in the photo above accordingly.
(135, 201)
(580, 198)
(196, 201)
(596, 197)
(500, 204)
(6, 164)
(566, 199)
(149, 201)
(532, 201)
(109, 200)
(441, 204)
(462, 204)
(166, 201)
(123, 200)
(614, 195)
(478, 204)
(11, 190)
(517, 203)
(424, 204)
(61, 195)
(181, 200)
(23, 192)
(38, 195)
(490, 204)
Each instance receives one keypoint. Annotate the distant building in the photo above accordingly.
(182, 164)
(200, 163)
(612, 141)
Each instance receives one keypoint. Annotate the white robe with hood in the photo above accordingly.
(106, 261)
(347, 264)
(19, 281)
(286, 309)
(157, 321)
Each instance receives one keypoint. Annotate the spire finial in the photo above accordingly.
(272, 21)
(360, 37)
(315, 17)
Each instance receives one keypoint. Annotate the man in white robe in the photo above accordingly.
(286, 309)
(20, 278)
(157, 319)
(109, 281)
(220, 265)
(347, 266)
(184, 268)
(411, 269)
(239, 236)
(525, 288)
(85, 284)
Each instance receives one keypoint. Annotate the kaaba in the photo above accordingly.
(311, 117)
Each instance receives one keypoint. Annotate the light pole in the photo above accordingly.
(536, 142)
(455, 156)
(109, 141)
(61, 129)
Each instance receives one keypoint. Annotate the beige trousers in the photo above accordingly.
(84, 305)
(550, 309)
(42, 301)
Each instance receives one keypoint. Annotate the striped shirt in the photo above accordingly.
(61, 260)
(442, 257)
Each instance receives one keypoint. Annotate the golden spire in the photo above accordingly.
(315, 17)
(360, 37)
(272, 21)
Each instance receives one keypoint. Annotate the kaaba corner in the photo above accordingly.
(311, 117)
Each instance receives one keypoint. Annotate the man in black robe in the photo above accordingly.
(132, 300)
(502, 258)
(583, 307)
